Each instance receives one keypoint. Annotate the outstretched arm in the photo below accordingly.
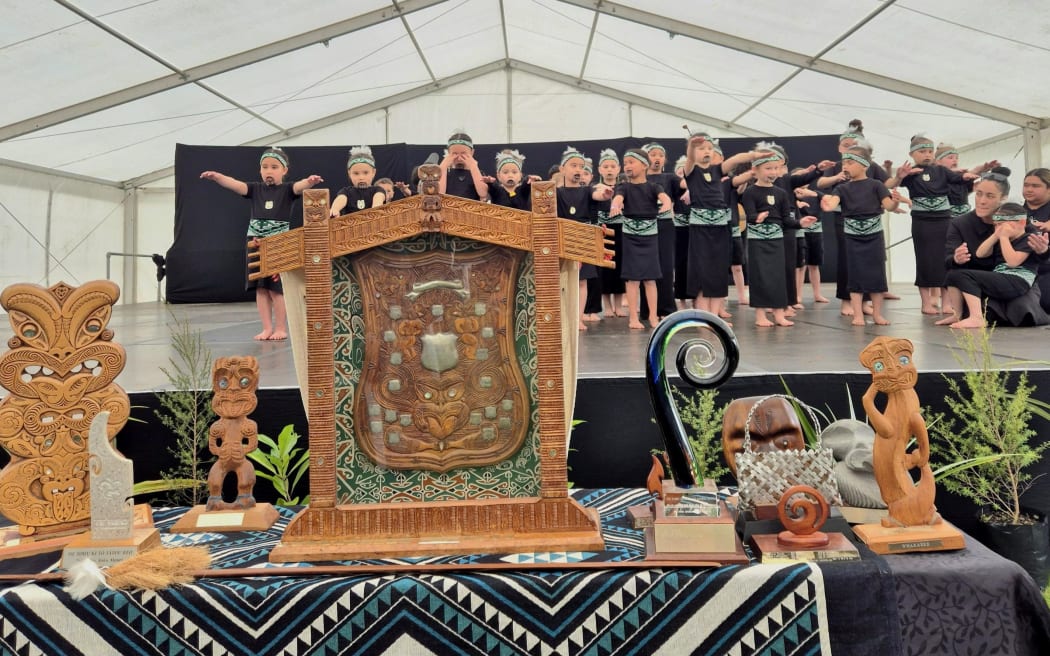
(306, 183)
(226, 182)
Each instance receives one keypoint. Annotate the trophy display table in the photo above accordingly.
(608, 601)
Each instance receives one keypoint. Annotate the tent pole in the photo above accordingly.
(510, 105)
(1033, 148)
(47, 237)
(130, 267)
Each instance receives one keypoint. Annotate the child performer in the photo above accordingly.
(612, 282)
(807, 203)
(1013, 275)
(576, 202)
(510, 187)
(592, 309)
(673, 187)
(768, 209)
(271, 209)
(360, 193)
(863, 201)
(814, 249)
(681, 243)
(710, 234)
(640, 201)
(927, 184)
(737, 224)
(958, 192)
(460, 175)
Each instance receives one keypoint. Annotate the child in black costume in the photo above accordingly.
(360, 194)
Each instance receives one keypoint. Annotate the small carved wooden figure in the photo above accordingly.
(233, 435)
(893, 373)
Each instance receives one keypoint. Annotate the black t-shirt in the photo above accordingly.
(459, 182)
(576, 203)
(640, 200)
(271, 208)
(861, 197)
(932, 181)
(671, 183)
(520, 200)
(705, 188)
(358, 198)
(774, 200)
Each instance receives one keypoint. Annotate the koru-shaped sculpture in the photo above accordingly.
(893, 373)
(59, 371)
(233, 436)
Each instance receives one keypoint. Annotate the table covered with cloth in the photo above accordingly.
(606, 602)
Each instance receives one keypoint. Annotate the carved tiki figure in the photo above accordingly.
(59, 372)
(893, 373)
(233, 436)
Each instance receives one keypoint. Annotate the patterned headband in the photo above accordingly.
(947, 153)
(507, 160)
(462, 142)
(921, 146)
(775, 157)
(608, 155)
(717, 147)
(856, 158)
(569, 154)
(649, 147)
(1009, 217)
(638, 156)
(275, 155)
(851, 135)
(361, 159)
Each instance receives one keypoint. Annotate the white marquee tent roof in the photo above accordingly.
(105, 88)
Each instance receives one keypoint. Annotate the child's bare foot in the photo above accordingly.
(846, 310)
(891, 296)
(930, 309)
(634, 324)
(742, 301)
(948, 321)
(868, 309)
(857, 322)
(264, 335)
(621, 313)
(591, 317)
(654, 320)
(764, 323)
(799, 306)
(722, 314)
(582, 326)
(880, 320)
(970, 322)
(277, 336)
(785, 323)
(820, 299)
(947, 309)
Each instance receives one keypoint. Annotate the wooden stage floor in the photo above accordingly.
(821, 341)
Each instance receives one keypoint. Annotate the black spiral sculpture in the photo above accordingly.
(698, 362)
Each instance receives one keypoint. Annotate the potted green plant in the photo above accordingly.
(984, 448)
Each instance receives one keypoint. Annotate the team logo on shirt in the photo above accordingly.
(707, 176)
(926, 177)
(771, 199)
(361, 204)
(572, 210)
(269, 205)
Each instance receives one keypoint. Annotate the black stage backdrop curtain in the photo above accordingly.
(206, 262)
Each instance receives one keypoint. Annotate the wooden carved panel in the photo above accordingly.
(59, 371)
(442, 388)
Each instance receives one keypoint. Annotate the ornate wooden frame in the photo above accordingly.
(551, 522)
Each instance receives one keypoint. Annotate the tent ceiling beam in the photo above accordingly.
(212, 68)
(58, 173)
(587, 51)
(632, 99)
(503, 28)
(415, 42)
(345, 115)
(811, 63)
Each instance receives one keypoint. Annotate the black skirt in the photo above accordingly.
(612, 279)
(681, 262)
(866, 259)
(641, 257)
(765, 268)
(814, 248)
(710, 255)
(928, 237)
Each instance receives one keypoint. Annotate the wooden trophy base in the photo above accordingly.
(259, 517)
(769, 548)
(882, 540)
(106, 553)
(15, 545)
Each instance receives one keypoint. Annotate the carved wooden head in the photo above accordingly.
(544, 201)
(234, 381)
(889, 359)
(774, 427)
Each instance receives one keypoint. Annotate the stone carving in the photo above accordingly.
(893, 373)
(851, 442)
(112, 478)
(59, 372)
(233, 435)
(444, 388)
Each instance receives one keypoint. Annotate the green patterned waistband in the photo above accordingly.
(681, 220)
(664, 216)
(736, 231)
(765, 231)
(1021, 272)
(930, 204)
(709, 217)
(862, 226)
(640, 227)
(266, 227)
(603, 217)
(959, 210)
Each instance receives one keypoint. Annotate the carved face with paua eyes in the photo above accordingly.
(890, 361)
(774, 427)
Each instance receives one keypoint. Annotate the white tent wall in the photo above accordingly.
(154, 231)
(58, 229)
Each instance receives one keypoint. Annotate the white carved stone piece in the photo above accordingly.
(112, 516)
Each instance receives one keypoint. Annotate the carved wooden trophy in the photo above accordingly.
(230, 439)
(59, 373)
(913, 523)
(436, 349)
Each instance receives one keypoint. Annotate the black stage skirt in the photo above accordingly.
(765, 269)
(841, 267)
(814, 248)
(681, 262)
(612, 279)
(866, 259)
(588, 272)
(800, 250)
(710, 254)
(665, 304)
(739, 252)
(789, 265)
(641, 257)
(928, 236)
